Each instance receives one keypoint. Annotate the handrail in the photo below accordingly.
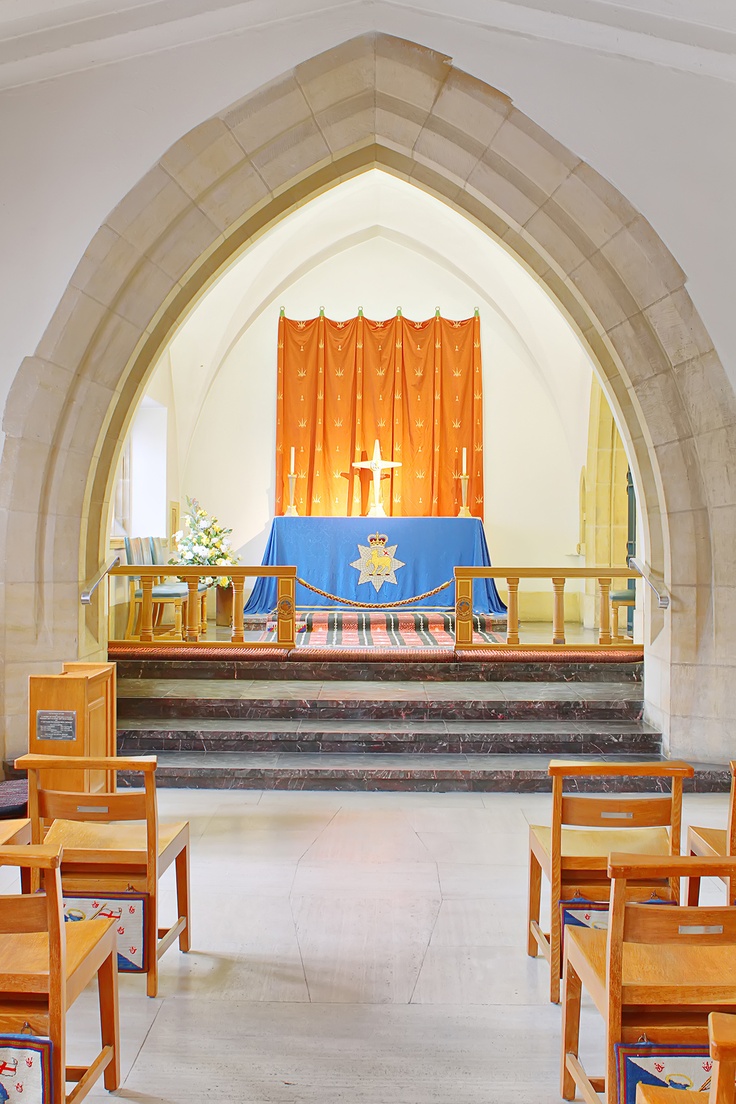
(663, 597)
(86, 595)
(193, 600)
(558, 576)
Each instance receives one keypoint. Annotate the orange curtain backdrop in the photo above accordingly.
(416, 387)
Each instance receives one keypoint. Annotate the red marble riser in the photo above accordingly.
(441, 781)
(146, 742)
(368, 671)
(290, 709)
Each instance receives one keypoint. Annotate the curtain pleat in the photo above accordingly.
(416, 387)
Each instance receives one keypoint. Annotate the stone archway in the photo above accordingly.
(374, 101)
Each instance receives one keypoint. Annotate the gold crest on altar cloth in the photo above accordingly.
(377, 563)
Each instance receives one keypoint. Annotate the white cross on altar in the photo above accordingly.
(377, 465)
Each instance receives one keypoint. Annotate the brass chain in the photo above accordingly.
(375, 605)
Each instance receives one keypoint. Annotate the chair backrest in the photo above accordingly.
(731, 827)
(632, 923)
(46, 804)
(138, 550)
(619, 810)
(160, 551)
(36, 912)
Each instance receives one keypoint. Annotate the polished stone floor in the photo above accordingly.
(351, 947)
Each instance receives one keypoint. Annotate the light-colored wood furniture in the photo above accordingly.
(625, 599)
(17, 833)
(154, 552)
(44, 966)
(573, 852)
(722, 1039)
(105, 853)
(74, 714)
(657, 972)
(714, 842)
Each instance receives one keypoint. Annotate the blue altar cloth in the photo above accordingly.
(323, 550)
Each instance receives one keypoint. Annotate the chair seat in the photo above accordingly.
(623, 596)
(25, 955)
(712, 968)
(598, 843)
(124, 843)
(715, 839)
(162, 591)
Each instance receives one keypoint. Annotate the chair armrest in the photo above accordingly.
(86, 762)
(38, 856)
(722, 1035)
(672, 768)
(621, 865)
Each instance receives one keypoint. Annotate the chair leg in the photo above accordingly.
(692, 895)
(571, 999)
(535, 892)
(178, 619)
(152, 945)
(555, 949)
(182, 896)
(614, 621)
(203, 613)
(57, 1033)
(132, 604)
(107, 984)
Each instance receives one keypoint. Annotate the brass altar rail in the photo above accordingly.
(559, 575)
(285, 604)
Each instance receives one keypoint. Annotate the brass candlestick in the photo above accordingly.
(464, 511)
(291, 510)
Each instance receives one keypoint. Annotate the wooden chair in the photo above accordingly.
(714, 842)
(153, 552)
(45, 964)
(722, 1038)
(619, 599)
(103, 857)
(573, 852)
(656, 973)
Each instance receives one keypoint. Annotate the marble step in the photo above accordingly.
(367, 670)
(393, 736)
(417, 772)
(254, 699)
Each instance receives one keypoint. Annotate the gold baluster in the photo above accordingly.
(238, 636)
(558, 612)
(193, 609)
(604, 636)
(147, 608)
(512, 612)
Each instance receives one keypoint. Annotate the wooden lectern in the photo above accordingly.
(74, 714)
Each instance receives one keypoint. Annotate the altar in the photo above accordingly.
(376, 561)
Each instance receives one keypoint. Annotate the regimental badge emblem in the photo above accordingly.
(377, 563)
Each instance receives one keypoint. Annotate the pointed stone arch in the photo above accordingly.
(373, 101)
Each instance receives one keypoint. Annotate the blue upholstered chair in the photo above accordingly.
(153, 551)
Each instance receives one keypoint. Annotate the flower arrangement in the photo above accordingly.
(205, 541)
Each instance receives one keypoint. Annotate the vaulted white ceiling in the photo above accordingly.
(41, 39)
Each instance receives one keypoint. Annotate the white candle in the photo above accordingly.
(465, 461)
(291, 470)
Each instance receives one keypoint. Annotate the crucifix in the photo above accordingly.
(377, 466)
